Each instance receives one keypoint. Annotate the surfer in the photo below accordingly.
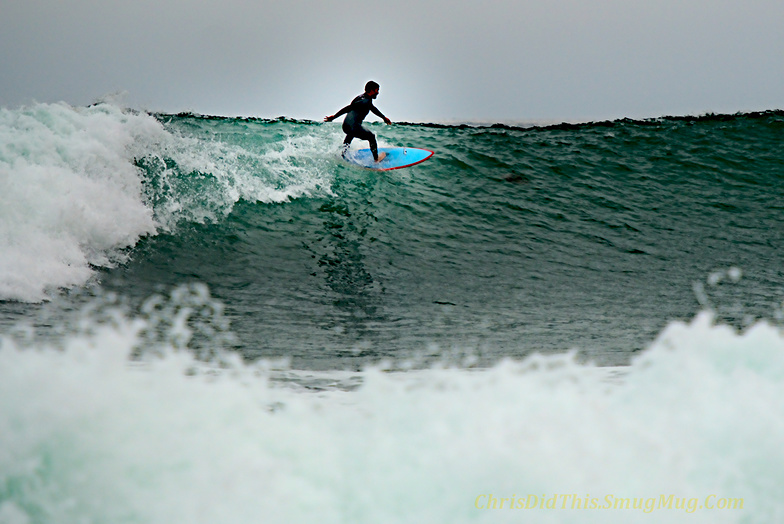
(355, 113)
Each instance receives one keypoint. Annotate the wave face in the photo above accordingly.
(211, 319)
(507, 241)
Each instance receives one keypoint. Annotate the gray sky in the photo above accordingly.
(436, 60)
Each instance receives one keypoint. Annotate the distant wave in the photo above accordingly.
(514, 124)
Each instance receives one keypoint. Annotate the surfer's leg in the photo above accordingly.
(350, 134)
(364, 134)
(373, 146)
(347, 141)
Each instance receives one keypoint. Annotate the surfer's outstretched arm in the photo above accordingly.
(380, 115)
(341, 112)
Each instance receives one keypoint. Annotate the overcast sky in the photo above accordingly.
(436, 60)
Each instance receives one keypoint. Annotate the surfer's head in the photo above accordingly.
(371, 88)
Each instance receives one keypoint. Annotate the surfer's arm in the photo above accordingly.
(380, 115)
(341, 112)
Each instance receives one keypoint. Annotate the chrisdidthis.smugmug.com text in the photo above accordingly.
(487, 501)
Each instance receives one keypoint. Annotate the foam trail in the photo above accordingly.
(87, 435)
(200, 179)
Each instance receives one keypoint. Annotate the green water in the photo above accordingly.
(253, 236)
(507, 241)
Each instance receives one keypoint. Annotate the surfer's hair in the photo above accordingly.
(371, 86)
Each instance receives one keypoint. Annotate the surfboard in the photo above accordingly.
(396, 157)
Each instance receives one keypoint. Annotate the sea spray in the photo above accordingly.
(90, 434)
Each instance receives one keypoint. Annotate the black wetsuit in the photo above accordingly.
(352, 124)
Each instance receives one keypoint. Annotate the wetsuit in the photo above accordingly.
(352, 124)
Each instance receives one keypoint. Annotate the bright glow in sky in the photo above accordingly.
(436, 60)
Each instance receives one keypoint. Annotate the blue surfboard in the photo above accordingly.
(396, 157)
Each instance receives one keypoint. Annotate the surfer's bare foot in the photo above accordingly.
(381, 156)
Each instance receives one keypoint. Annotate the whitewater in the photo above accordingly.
(209, 319)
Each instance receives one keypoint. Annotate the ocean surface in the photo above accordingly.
(209, 319)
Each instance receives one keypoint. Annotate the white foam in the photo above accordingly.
(73, 194)
(69, 198)
(88, 436)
